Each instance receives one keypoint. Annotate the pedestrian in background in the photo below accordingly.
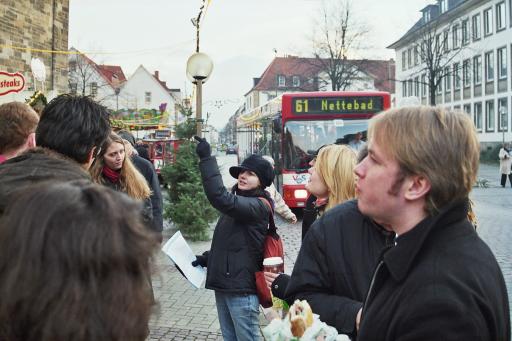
(237, 246)
(280, 206)
(439, 281)
(505, 164)
(73, 266)
(18, 123)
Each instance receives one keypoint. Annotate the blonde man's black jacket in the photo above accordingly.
(237, 245)
(335, 264)
(440, 282)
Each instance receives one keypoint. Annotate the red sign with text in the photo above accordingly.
(11, 82)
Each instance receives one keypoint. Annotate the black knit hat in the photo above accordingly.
(255, 163)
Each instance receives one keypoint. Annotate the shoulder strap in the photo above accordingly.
(272, 224)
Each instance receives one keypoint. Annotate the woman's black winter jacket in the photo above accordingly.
(237, 246)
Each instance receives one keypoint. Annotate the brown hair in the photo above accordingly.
(132, 182)
(17, 121)
(74, 265)
(335, 164)
(439, 144)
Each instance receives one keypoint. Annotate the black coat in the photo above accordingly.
(440, 282)
(335, 264)
(148, 172)
(35, 166)
(237, 244)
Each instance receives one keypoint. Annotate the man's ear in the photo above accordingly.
(418, 187)
(90, 159)
(31, 140)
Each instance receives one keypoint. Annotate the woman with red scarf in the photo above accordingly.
(113, 169)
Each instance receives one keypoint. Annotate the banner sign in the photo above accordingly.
(11, 82)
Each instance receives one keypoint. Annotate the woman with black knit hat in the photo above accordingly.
(237, 246)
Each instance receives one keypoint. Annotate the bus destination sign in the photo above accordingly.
(337, 105)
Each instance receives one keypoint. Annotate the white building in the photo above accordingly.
(472, 41)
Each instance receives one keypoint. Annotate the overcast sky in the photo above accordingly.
(239, 35)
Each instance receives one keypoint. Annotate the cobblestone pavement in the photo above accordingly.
(186, 313)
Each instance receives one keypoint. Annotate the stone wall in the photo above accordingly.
(35, 24)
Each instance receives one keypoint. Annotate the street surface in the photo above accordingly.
(186, 313)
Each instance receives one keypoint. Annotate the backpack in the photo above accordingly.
(272, 247)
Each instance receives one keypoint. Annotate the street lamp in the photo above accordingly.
(504, 123)
(199, 68)
(117, 91)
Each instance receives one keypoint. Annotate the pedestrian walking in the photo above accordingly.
(280, 205)
(18, 123)
(440, 281)
(237, 246)
(505, 157)
(73, 265)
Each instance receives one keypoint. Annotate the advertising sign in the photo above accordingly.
(11, 82)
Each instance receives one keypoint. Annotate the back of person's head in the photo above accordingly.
(126, 135)
(74, 265)
(142, 150)
(73, 126)
(433, 142)
(269, 159)
(335, 165)
(132, 181)
(18, 123)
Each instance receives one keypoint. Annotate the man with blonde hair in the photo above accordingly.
(439, 281)
(18, 123)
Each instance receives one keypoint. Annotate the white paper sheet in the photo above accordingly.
(181, 254)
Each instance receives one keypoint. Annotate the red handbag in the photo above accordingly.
(272, 247)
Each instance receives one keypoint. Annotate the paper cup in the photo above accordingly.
(273, 264)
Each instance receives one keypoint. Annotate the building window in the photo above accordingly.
(465, 31)
(477, 29)
(500, 16)
(443, 5)
(147, 97)
(477, 70)
(404, 89)
(423, 51)
(456, 76)
(409, 87)
(466, 73)
(94, 89)
(72, 66)
(409, 57)
(404, 60)
(415, 55)
(446, 46)
(296, 81)
(447, 79)
(416, 86)
(281, 80)
(502, 62)
(426, 16)
(72, 88)
(503, 119)
(477, 116)
(467, 109)
(489, 116)
(489, 66)
(439, 88)
(423, 86)
(455, 36)
(488, 21)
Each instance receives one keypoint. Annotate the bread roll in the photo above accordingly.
(301, 317)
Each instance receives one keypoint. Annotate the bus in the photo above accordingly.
(292, 127)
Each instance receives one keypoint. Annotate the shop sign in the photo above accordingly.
(11, 82)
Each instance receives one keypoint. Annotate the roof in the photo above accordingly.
(382, 71)
(113, 73)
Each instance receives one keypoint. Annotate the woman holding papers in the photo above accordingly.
(236, 251)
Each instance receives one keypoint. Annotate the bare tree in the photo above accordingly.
(338, 35)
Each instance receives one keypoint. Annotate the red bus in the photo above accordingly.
(290, 128)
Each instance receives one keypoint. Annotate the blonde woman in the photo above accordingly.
(113, 169)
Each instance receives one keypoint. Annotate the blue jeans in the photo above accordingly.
(238, 316)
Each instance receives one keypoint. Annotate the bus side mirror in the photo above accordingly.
(277, 125)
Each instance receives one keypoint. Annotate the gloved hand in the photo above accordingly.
(201, 260)
(203, 148)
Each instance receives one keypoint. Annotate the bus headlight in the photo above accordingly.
(301, 194)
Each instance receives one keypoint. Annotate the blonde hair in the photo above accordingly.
(335, 164)
(132, 182)
(433, 142)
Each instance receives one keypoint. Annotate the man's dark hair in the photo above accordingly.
(73, 125)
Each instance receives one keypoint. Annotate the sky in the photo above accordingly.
(240, 36)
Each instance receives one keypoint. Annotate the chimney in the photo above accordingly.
(157, 75)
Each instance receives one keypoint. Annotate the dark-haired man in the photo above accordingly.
(68, 135)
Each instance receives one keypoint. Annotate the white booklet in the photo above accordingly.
(181, 254)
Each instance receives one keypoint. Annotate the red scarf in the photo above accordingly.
(111, 175)
(2, 159)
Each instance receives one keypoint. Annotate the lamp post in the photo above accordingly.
(117, 91)
(199, 68)
(504, 123)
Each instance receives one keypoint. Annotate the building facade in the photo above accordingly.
(462, 50)
(33, 29)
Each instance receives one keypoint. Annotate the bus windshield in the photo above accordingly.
(303, 138)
